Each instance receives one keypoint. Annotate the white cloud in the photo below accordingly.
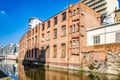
(2, 12)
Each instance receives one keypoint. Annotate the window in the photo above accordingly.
(63, 50)
(48, 51)
(43, 27)
(42, 37)
(32, 52)
(76, 27)
(36, 29)
(32, 31)
(64, 16)
(96, 39)
(35, 39)
(42, 52)
(48, 24)
(118, 36)
(64, 30)
(54, 51)
(74, 12)
(70, 44)
(36, 52)
(29, 33)
(70, 13)
(75, 43)
(55, 20)
(32, 41)
(48, 35)
(70, 29)
(55, 33)
(77, 11)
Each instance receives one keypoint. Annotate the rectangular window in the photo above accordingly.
(75, 43)
(48, 35)
(96, 39)
(64, 30)
(32, 31)
(48, 24)
(118, 36)
(64, 16)
(74, 26)
(42, 39)
(48, 51)
(54, 51)
(36, 29)
(32, 41)
(35, 39)
(55, 20)
(63, 50)
(77, 11)
(35, 52)
(43, 27)
(32, 52)
(74, 12)
(55, 33)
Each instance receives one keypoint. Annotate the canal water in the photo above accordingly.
(20, 72)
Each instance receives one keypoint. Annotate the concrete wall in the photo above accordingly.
(107, 34)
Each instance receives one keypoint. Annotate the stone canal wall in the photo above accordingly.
(113, 62)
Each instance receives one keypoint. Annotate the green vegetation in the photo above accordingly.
(93, 66)
(17, 60)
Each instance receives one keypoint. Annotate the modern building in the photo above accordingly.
(33, 22)
(9, 50)
(59, 40)
(105, 7)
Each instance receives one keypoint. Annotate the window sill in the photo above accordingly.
(63, 35)
(55, 38)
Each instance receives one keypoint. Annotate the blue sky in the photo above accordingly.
(14, 15)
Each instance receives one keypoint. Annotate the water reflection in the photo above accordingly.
(9, 67)
(40, 73)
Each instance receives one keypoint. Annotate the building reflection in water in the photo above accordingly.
(10, 68)
(40, 73)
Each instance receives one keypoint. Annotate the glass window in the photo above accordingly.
(70, 29)
(54, 51)
(64, 16)
(96, 39)
(55, 33)
(43, 27)
(48, 24)
(48, 51)
(63, 51)
(55, 20)
(48, 35)
(42, 37)
(64, 30)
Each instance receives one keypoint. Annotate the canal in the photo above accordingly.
(20, 72)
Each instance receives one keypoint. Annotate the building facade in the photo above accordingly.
(59, 40)
(104, 7)
(9, 51)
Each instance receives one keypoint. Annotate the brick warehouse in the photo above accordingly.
(60, 40)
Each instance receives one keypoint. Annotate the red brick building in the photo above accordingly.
(60, 40)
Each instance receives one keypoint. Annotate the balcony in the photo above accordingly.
(98, 5)
(93, 2)
(100, 8)
(87, 1)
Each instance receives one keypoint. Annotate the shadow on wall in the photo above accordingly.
(35, 56)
